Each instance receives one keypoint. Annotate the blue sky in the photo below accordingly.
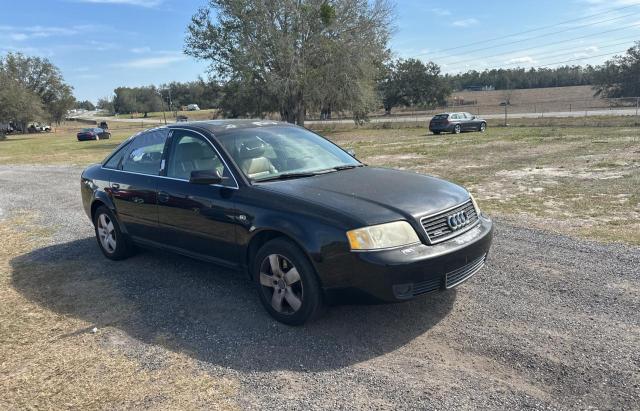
(102, 44)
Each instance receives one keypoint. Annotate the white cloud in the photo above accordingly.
(441, 12)
(18, 36)
(521, 60)
(465, 22)
(139, 50)
(141, 3)
(152, 62)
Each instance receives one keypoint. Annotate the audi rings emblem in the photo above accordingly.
(457, 220)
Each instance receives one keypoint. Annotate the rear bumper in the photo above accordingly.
(440, 128)
(404, 273)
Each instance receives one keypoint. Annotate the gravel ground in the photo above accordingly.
(550, 323)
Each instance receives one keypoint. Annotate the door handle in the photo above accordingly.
(163, 196)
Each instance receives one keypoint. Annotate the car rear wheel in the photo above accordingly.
(113, 244)
(287, 283)
(483, 127)
(457, 129)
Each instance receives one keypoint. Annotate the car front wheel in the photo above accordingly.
(113, 244)
(457, 129)
(287, 283)
(483, 127)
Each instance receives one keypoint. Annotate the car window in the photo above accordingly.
(145, 152)
(114, 161)
(267, 152)
(191, 152)
(440, 116)
(454, 116)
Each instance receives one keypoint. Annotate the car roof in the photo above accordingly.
(219, 126)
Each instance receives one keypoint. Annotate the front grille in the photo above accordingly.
(424, 287)
(438, 229)
(459, 275)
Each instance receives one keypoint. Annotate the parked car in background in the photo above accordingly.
(93, 133)
(304, 219)
(193, 107)
(182, 119)
(103, 125)
(456, 123)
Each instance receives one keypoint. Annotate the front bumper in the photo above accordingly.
(404, 273)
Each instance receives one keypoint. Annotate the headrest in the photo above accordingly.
(189, 151)
(252, 149)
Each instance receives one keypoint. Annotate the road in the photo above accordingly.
(395, 119)
(550, 323)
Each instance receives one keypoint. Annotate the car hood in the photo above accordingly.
(374, 195)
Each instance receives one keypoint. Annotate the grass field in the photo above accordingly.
(582, 181)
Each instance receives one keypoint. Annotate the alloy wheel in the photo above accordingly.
(281, 284)
(107, 233)
(482, 127)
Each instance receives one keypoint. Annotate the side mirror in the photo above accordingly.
(351, 152)
(205, 177)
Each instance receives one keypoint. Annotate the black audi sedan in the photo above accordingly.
(306, 221)
(456, 123)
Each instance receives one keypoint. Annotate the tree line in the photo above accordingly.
(32, 89)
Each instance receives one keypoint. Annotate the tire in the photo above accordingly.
(300, 295)
(457, 129)
(120, 247)
(482, 128)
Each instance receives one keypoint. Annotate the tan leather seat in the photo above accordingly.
(253, 162)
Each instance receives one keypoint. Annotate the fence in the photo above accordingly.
(627, 106)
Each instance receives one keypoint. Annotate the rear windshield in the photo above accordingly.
(440, 116)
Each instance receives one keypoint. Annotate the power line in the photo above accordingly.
(560, 54)
(540, 28)
(548, 44)
(578, 59)
(545, 34)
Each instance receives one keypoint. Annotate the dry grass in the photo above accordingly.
(577, 181)
(54, 361)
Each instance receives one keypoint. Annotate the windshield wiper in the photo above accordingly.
(347, 167)
(286, 176)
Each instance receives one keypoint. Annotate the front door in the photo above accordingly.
(196, 218)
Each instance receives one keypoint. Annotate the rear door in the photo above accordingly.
(199, 219)
(134, 183)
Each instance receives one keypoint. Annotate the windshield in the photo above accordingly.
(267, 153)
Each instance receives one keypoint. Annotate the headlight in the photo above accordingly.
(387, 235)
(475, 204)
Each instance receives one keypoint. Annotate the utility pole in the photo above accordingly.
(505, 114)
(637, 105)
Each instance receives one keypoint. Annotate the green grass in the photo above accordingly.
(60, 147)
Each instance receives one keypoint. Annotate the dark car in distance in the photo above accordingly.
(456, 123)
(93, 133)
(306, 221)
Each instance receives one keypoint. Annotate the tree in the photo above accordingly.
(41, 77)
(620, 76)
(106, 104)
(85, 105)
(295, 54)
(411, 83)
(17, 103)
